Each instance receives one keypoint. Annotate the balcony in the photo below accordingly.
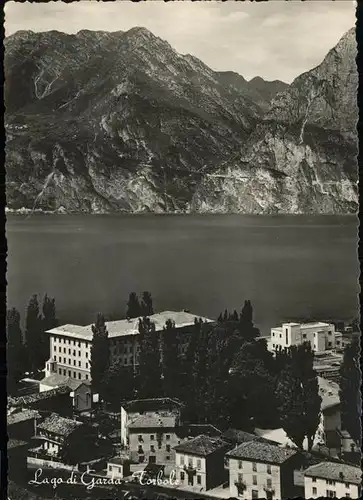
(241, 487)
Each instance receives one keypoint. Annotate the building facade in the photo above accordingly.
(80, 390)
(332, 480)
(261, 470)
(199, 462)
(152, 439)
(320, 335)
(70, 345)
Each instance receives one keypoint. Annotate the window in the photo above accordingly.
(167, 437)
(152, 437)
(168, 457)
(269, 483)
(304, 336)
(152, 448)
(182, 476)
(79, 353)
(79, 344)
(329, 332)
(79, 364)
(86, 354)
(86, 377)
(240, 477)
(329, 344)
(330, 493)
(125, 361)
(273, 334)
(254, 494)
(280, 336)
(60, 371)
(69, 361)
(74, 375)
(79, 376)
(140, 438)
(199, 479)
(87, 365)
(69, 351)
(64, 350)
(55, 358)
(140, 449)
(199, 463)
(64, 372)
(313, 479)
(64, 361)
(190, 462)
(74, 362)
(273, 345)
(74, 353)
(331, 482)
(167, 447)
(69, 373)
(55, 348)
(141, 458)
(254, 479)
(240, 464)
(268, 469)
(347, 485)
(254, 467)
(314, 491)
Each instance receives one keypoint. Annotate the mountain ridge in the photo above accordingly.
(119, 121)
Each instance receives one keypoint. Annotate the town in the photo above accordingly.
(174, 405)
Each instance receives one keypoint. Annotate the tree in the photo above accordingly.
(117, 384)
(100, 353)
(147, 304)
(33, 335)
(246, 327)
(49, 321)
(134, 309)
(15, 349)
(149, 360)
(350, 395)
(171, 359)
(298, 395)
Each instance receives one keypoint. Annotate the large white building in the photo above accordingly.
(70, 345)
(320, 335)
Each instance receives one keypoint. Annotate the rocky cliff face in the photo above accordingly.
(301, 157)
(101, 122)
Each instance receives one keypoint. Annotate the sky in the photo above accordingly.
(275, 40)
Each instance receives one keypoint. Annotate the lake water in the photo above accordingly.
(288, 266)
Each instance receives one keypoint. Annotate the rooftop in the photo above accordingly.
(239, 437)
(124, 327)
(117, 460)
(56, 380)
(317, 324)
(38, 396)
(262, 452)
(152, 421)
(59, 425)
(152, 404)
(22, 416)
(15, 443)
(329, 392)
(336, 471)
(201, 445)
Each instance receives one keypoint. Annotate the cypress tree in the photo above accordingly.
(149, 360)
(15, 349)
(49, 321)
(246, 327)
(147, 304)
(117, 384)
(134, 309)
(350, 395)
(171, 359)
(34, 335)
(100, 353)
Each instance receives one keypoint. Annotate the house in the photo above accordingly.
(349, 449)
(152, 438)
(70, 345)
(320, 335)
(130, 410)
(81, 393)
(118, 467)
(262, 470)
(22, 423)
(57, 400)
(200, 462)
(56, 434)
(330, 419)
(333, 480)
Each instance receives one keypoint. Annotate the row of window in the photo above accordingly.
(190, 462)
(330, 493)
(152, 448)
(70, 362)
(70, 351)
(254, 480)
(254, 467)
(62, 340)
(142, 459)
(152, 437)
(64, 372)
(331, 482)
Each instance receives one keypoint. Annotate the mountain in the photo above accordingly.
(301, 157)
(100, 122)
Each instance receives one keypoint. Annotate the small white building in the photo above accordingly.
(118, 468)
(320, 335)
(332, 480)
